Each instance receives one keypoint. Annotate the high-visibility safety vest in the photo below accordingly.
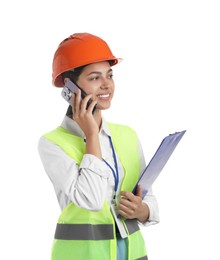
(86, 235)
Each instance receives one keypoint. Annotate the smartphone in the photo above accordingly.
(71, 88)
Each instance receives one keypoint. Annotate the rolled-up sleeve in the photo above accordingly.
(85, 185)
(151, 201)
(95, 165)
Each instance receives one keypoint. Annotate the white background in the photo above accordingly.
(167, 82)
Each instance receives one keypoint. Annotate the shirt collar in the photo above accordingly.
(71, 126)
(105, 127)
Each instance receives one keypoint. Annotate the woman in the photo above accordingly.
(94, 165)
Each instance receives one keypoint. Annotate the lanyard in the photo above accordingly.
(115, 172)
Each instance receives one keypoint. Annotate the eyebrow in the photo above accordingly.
(98, 72)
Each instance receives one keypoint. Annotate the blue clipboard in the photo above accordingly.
(158, 161)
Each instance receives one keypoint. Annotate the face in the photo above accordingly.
(97, 79)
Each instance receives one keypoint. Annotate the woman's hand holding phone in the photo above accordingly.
(86, 120)
(83, 115)
(82, 104)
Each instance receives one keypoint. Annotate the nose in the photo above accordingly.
(105, 83)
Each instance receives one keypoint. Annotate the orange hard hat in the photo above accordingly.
(78, 50)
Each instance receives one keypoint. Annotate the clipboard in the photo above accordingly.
(158, 161)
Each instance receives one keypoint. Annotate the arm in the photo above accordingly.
(85, 185)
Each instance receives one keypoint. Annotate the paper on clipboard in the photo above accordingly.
(158, 161)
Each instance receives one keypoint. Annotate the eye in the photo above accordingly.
(94, 78)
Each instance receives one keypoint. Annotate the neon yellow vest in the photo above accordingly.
(83, 234)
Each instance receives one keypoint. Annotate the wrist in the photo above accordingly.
(93, 145)
(144, 213)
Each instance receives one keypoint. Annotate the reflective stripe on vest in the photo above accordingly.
(132, 225)
(143, 258)
(84, 232)
(91, 232)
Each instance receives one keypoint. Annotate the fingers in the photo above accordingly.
(87, 104)
(126, 208)
(76, 102)
(79, 105)
(139, 191)
(129, 204)
(127, 195)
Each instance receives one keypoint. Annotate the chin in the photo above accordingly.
(103, 107)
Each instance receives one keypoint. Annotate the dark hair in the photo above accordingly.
(73, 75)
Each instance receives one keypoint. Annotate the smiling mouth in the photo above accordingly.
(104, 96)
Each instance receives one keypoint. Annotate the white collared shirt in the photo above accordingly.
(87, 185)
